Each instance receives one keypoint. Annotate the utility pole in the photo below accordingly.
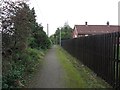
(48, 30)
(60, 37)
(56, 40)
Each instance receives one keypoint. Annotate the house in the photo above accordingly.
(86, 30)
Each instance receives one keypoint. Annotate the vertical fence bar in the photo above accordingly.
(117, 63)
(100, 53)
(117, 57)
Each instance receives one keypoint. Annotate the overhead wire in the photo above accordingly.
(43, 18)
(40, 12)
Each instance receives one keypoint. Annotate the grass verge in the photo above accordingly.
(78, 75)
(28, 77)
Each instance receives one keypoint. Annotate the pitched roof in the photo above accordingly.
(96, 29)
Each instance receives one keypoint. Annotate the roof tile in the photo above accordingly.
(96, 29)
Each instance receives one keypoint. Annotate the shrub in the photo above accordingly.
(25, 65)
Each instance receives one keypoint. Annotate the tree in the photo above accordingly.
(21, 37)
(52, 38)
(16, 25)
(66, 33)
(39, 38)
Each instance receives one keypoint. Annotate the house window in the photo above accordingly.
(81, 35)
(75, 36)
(86, 35)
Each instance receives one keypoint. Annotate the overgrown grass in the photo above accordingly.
(22, 65)
(78, 75)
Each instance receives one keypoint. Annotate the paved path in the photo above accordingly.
(50, 74)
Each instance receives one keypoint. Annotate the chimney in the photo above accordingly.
(86, 23)
(107, 23)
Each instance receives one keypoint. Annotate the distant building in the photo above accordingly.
(86, 30)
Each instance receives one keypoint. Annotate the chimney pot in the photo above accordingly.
(86, 23)
(108, 23)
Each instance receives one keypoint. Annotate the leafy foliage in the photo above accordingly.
(23, 41)
(39, 38)
(25, 66)
(66, 33)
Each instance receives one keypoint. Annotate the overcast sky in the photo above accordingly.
(57, 12)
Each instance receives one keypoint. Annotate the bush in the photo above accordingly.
(25, 65)
(16, 73)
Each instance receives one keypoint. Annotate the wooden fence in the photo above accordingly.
(100, 53)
